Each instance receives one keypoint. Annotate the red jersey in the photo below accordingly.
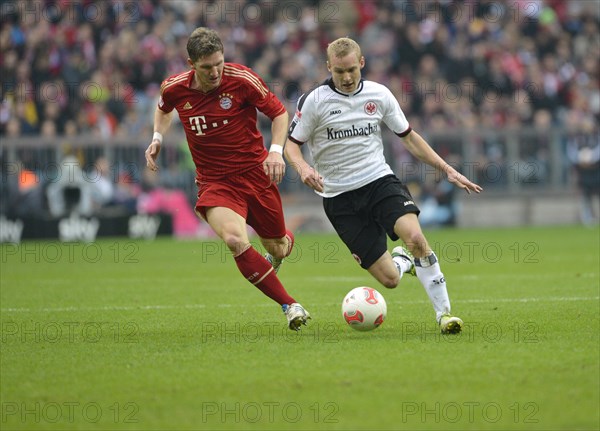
(221, 125)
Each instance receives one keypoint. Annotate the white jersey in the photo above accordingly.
(343, 133)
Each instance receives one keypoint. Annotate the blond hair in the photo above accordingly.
(342, 47)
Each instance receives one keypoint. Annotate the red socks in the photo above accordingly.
(259, 272)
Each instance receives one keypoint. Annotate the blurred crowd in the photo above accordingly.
(97, 66)
(84, 67)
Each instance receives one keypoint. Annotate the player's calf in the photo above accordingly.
(275, 261)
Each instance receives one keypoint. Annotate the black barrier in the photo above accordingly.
(85, 229)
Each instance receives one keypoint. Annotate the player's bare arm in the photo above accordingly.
(308, 174)
(274, 164)
(419, 148)
(162, 122)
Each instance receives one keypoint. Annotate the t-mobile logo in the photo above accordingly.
(198, 124)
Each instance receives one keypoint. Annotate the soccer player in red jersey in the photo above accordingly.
(236, 176)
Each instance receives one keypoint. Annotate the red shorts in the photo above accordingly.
(252, 195)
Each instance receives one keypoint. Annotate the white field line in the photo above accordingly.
(198, 306)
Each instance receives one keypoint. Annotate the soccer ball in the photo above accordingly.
(364, 308)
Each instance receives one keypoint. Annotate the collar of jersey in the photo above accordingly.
(329, 82)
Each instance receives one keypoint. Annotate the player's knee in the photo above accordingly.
(234, 242)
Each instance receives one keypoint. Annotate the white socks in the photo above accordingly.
(431, 277)
(402, 264)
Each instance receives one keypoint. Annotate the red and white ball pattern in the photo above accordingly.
(364, 308)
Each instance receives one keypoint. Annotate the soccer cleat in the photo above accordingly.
(450, 324)
(275, 263)
(404, 254)
(296, 315)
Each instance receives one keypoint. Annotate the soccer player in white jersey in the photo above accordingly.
(341, 121)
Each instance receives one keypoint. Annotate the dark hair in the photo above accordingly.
(202, 43)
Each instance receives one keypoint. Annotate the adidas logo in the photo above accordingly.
(187, 105)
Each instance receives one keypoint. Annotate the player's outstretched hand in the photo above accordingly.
(274, 167)
(312, 178)
(151, 155)
(462, 182)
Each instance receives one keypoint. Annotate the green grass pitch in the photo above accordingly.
(160, 335)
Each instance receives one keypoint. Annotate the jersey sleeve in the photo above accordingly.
(164, 103)
(304, 122)
(259, 95)
(394, 118)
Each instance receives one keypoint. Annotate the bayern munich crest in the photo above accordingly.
(225, 102)
(370, 107)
